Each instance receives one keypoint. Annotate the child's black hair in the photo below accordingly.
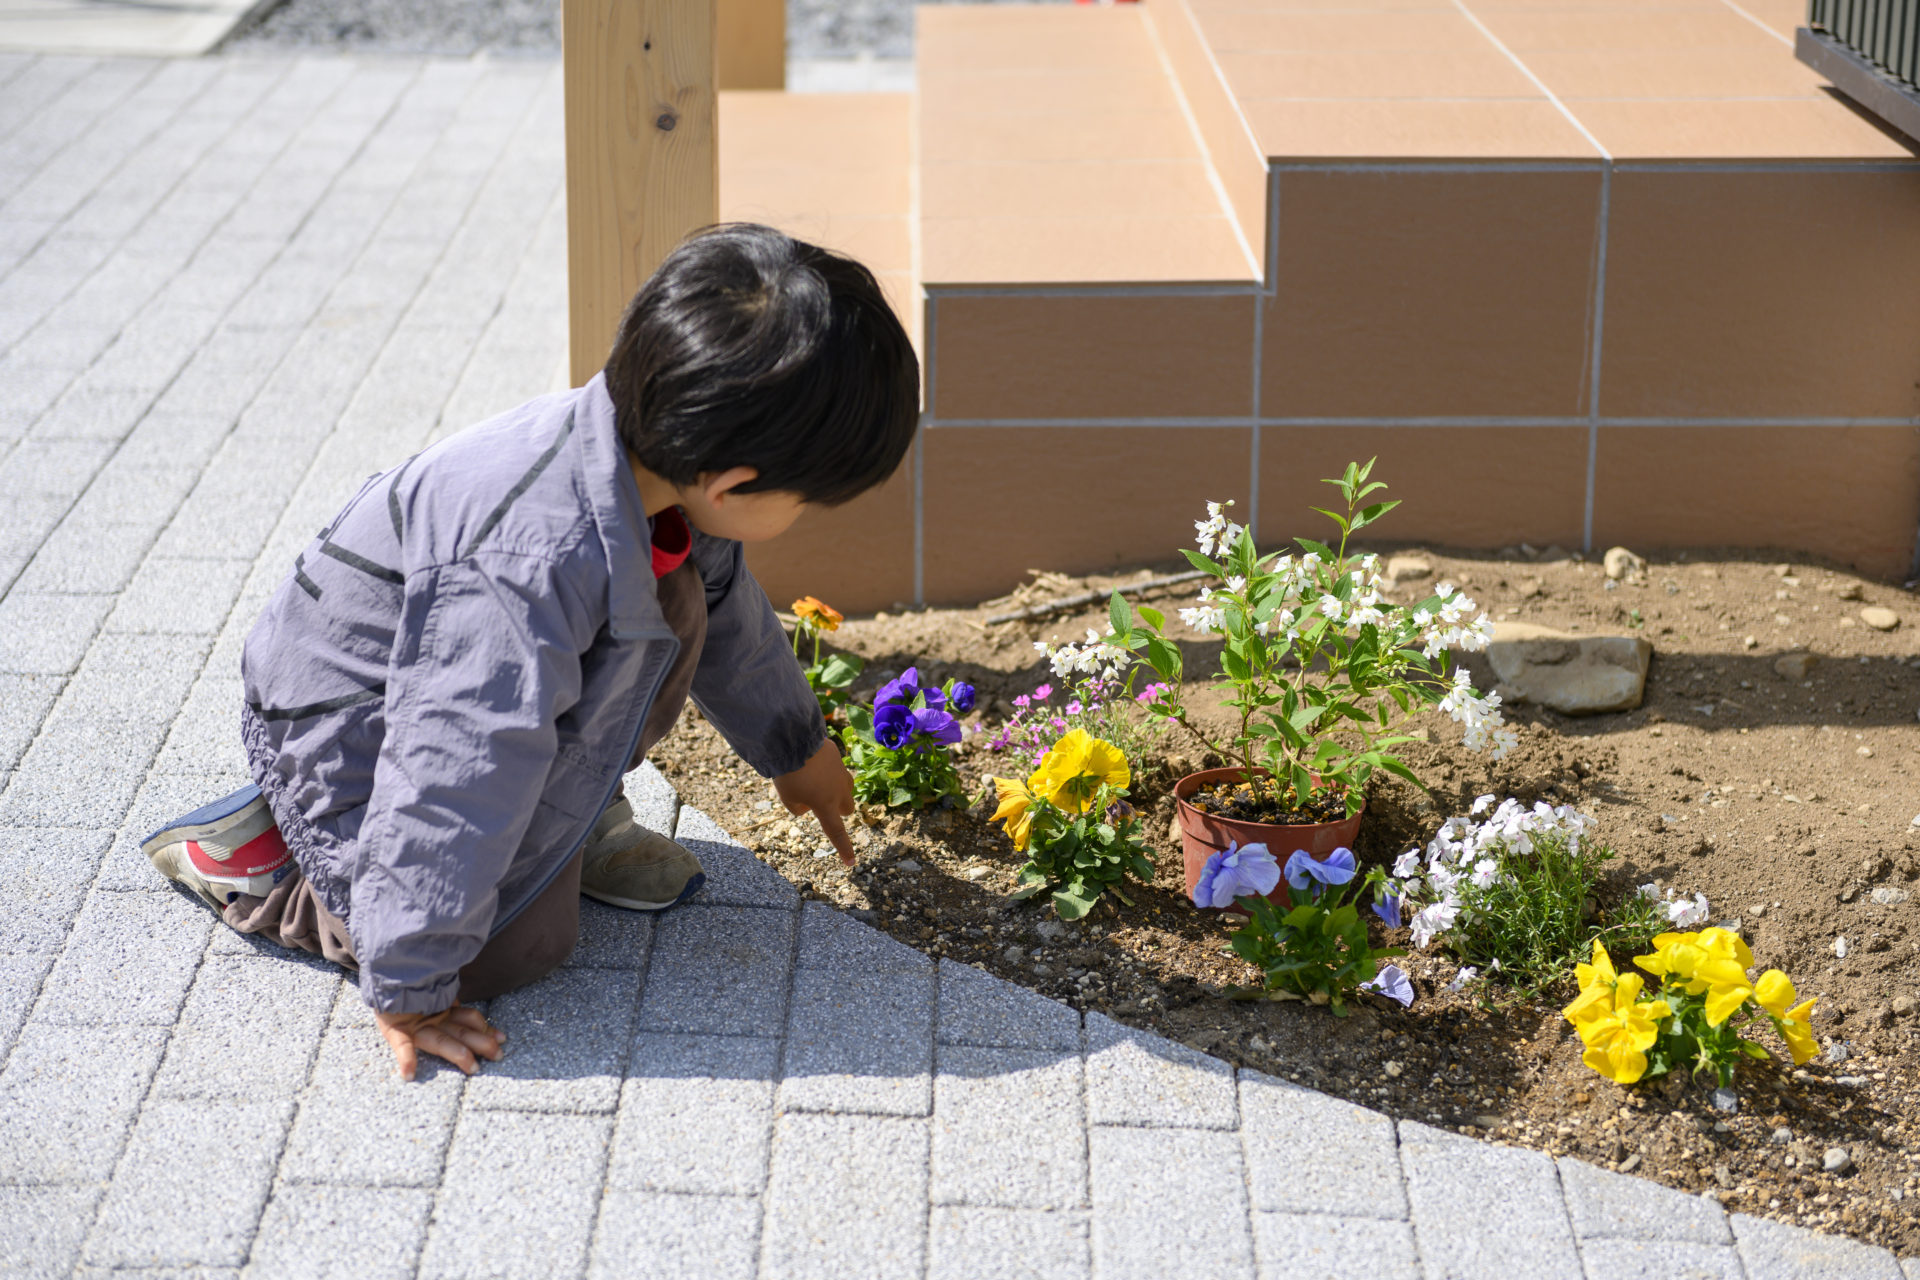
(750, 348)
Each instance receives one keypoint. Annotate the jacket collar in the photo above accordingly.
(633, 608)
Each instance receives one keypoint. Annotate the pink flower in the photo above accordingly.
(1021, 700)
(1073, 707)
(1044, 692)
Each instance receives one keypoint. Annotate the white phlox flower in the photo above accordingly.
(1485, 872)
(1216, 532)
(1407, 863)
(1479, 716)
(1467, 974)
(1684, 913)
(1434, 919)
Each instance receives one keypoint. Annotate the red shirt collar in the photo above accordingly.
(672, 541)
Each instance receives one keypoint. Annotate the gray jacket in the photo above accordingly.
(444, 693)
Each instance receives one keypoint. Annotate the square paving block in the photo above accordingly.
(46, 635)
(696, 1115)
(41, 1228)
(1136, 1077)
(131, 958)
(1623, 1259)
(20, 978)
(735, 878)
(230, 1145)
(1138, 1173)
(49, 870)
(1007, 1244)
(860, 1042)
(652, 1236)
(1715, 309)
(520, 1195)
(340, 1233)
(977, 1008)
(847, 1196)
(566, 1043)
(719, 970)
(250, 1028)
(67, 1098)
(24, 703)
(1776, 1251)
(1310, 1153)
(391, 1136)
(1603, 1204)
(190, 597)
(1137, 494)
(990, 1104)
(832, 939)
(1314, 1246)
(611, 937)
(1535, 1237)
(656, 805)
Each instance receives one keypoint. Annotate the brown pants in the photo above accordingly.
(542, 936)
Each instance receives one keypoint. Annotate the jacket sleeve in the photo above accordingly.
(485, 659)
(747, 681)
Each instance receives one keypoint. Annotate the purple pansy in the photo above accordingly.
(937, 725)
(1303, 869)
(962, 696)
(901, 689)
(1392, 983)
(1387, 907)
(892, 726)
(1236, 871)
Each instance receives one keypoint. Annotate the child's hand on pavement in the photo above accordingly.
(456, 1034)
(823, 786)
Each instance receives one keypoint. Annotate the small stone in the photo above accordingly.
(1571, 674)
(1631, 1163)
(1393, 1069)
(1879, 617)
(1840, 948)
(1782, 570)
(977, 873)
(1041, 971)
(1836, 1053)
(1837, 1160)
(1748, 642)
(1780, 1137)
(1622, 563)
(1863, 751)
(1794, 666)
(1757, 910)
(1888, 896)
(1903, 1006)
(906, 864)
(1723, 1176)
(1725, 1100)
(1014, 955)
(1051, 930)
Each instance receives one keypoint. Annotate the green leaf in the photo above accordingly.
(899, 796)
(1073, 901)
(840, 670)
(1201, 563)
(1119, 614)
(1335, 517)
(1164, 657)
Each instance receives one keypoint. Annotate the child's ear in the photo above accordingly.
(717, 485)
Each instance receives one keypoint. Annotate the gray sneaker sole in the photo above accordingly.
(693, 885)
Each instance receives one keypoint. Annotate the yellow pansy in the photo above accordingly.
(1597, 982)
(1617, 1044)
(1775, 993)
(1075, 768)
(1014, 811)
(1713, 961)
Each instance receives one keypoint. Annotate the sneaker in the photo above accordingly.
(223, 850)
(629, 866)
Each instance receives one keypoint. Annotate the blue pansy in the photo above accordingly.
(1237, 871)
(1392, 983)
(892, 726)
(936, 724)
(1303, 870)
(1387, 907)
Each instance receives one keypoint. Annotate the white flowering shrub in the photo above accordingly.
(1514, 892)
(1325, 671)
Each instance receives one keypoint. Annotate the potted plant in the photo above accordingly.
(1322, 671)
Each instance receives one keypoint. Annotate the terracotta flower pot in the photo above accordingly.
(1204, 834)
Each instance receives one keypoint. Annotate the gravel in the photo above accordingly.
(826, 29)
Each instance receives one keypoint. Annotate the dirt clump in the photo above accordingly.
(1783, 789)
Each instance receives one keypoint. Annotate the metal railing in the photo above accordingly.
(1885, 32)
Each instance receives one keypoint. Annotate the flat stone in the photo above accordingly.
(341, 1233)
(656, 805)
(611, 937)
(1606, 1205)
(965, 1243)
(1571, 674)
(1311, 1153)
(847, 1197)
(1327, 1247)
(1138, 1078)
(1776, 1251)
(734, 876)
(1139, 1176)
(989, 1103)
(48, 872)
(859, 1043)
(655, 1236)
(1879, 617)
(696, 1115)
(1795, 666)
(131, 959)
(250, 1028)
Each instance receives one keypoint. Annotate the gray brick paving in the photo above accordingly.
(231, 288)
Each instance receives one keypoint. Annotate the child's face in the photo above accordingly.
(714, 506)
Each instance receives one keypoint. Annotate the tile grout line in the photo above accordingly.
(1512, 420)
(1214, 180)
(1750, 17)
(1528, 72)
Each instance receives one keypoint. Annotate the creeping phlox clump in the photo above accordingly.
(1515, 891)
(898, 751)
(1315, 946)
(1705, 1000)
(831, 677)
(1324, 671)
(1096, 703)
(1072, 820)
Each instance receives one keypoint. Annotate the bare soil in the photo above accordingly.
(1789, 799)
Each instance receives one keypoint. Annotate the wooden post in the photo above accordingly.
(752, 36)
(642, 152)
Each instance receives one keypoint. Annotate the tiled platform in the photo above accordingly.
(212, 326)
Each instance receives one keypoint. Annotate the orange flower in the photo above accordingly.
(817, 613)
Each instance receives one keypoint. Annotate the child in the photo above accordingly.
(443, 695)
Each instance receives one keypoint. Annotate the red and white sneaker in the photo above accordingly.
(223, 850)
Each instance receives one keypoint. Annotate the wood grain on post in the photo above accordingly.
(642, 152)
